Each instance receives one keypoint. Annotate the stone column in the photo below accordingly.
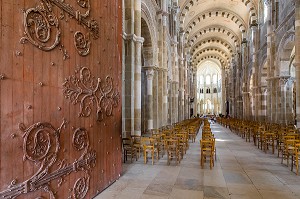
(128, 70)
(138, 68)
(244, 70)
(269, 60)
(175, 101)
(149, 105)
(164, 63)
(255, 70)
(170, 102)
(282, 84)
(223, 89)
(274, 96)
(297, 59)
(155, 99)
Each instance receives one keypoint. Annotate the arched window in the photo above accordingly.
(215, 90)
(207, 80)
(214, 79)
(265, 13)
(201, 79)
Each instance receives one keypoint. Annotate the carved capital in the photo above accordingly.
(268, 2)
(283, 80)
(133, 37)
(149, 74)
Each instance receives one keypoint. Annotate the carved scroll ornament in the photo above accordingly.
(42, 26)
(42, 145)
(88, 91)
(82, 44)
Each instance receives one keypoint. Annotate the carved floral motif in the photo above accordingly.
(88, 91)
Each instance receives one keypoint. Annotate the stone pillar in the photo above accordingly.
(128, 72)
(263, 110)
(223, 89)
(170, 102)
(160, 98)
(165, 98)
(283, 89)
(155, 99)
(149, 105)
(269, 61)
(297, 59)
(244, 70)
(255, 70)
(138, 68)
(175, 101)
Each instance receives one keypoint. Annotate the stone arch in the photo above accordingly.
(284, 52)
(222, 29)
(149, 32)
(189, 3)
(149, 61)
(212, 56)
(212, 40)
(215, 13)
(211, 49)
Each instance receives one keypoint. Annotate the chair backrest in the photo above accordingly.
(207, 144)
(127, 142)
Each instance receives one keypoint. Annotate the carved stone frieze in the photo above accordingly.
(89, 91)
(41, 145)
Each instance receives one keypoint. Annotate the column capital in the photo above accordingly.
(283, 80)
(268, 2)
(133, 37)
(162, 12)
(149, 73)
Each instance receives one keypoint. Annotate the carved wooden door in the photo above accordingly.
(60, 81)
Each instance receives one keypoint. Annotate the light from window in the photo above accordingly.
(201, 80)
(265, 12)
(214, 79)
(207, 80)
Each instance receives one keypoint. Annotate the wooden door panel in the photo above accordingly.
(47, 148)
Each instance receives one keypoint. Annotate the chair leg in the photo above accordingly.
(152, 154)
(145, 157)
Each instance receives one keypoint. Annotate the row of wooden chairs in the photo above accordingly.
(172, 140)
(207, 145)
(283, 138)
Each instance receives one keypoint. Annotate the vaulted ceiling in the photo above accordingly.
(214, 29)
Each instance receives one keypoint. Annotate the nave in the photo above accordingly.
(241, 172)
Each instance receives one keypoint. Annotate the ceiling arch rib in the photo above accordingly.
(212, 41)
(206, 15)
(213, 29)
(211, 56)
(188, 4)
(205, 52)
(214, 49)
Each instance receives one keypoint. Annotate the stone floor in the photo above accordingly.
(241, 172)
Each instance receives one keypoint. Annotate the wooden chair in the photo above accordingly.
(173, 152)
(136, 139)
(128, 149)
(207, 151)
(149, 147)
(297, 156)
